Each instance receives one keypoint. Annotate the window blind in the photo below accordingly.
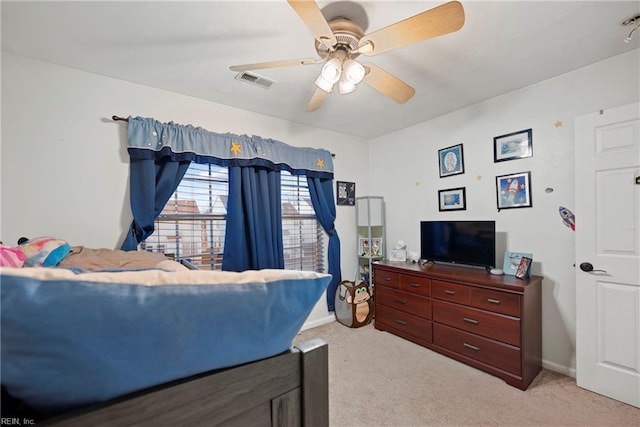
(192, 224)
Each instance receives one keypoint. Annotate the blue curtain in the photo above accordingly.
(152, 182)
(160, 154)
(321, 191)
(253, 236)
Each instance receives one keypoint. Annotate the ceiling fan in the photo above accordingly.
(340, 41)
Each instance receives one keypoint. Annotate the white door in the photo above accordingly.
(607, 170)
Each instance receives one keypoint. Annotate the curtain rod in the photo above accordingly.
(124, 119)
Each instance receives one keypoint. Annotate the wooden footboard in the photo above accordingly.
(291, 389)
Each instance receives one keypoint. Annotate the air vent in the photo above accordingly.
(255, 79)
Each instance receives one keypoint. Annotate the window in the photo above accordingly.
(302, 235)
(192, 223)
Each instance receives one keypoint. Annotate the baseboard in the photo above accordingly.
(564, 370)
(318, 322)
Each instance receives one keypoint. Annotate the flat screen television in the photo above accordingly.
(459, 242)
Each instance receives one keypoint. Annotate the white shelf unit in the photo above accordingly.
(370, 228)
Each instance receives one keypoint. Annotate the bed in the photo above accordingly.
(156, 347)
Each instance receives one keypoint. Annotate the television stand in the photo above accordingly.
(493, 323)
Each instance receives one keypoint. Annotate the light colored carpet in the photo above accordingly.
(378, 379)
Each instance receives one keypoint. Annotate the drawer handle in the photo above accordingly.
(493, 301)
(401, 301)
(471, 347)
(386, 278)
(401, 322)
(473, 322)
(448, 292)
(414, 285)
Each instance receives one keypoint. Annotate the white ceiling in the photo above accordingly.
(187, 48)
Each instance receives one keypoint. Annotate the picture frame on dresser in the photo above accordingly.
(523, 268)
(512, 261)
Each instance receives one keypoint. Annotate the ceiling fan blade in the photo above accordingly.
(440, 20)
(275, 64)
(313, 18)
(316, 100)
(387, 83)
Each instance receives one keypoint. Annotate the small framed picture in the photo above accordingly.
(376, 247)
(451, 161)
(452, 199)
(363, 247)
(515, 145)
(514, 190)
(523, 268)
(345, 193)
(512, 261)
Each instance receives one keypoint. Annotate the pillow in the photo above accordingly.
(74, 339)
(44, 251)
(11, 257)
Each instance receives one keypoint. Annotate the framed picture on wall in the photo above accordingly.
(515, 145)
(452, 199)
(345, 193)
(451, 161)
(514, 190)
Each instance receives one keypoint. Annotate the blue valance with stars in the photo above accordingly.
(151, 139)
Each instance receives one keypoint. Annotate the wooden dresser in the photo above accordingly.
(492, 323)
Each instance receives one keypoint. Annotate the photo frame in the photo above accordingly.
(523, 268)
(363, 247)
(370, 247)
(345, 193)
(514, 190)
(512, 261)
(515, 145)
(376, 247)
(452, 199)
(451, 161)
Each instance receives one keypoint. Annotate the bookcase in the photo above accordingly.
(371, 242)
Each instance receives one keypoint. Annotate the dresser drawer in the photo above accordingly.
(502, 356)
(449, 291)
(386, 278)
(412, 304)
(415, 284)
(490, 325)
(404, 322)
(500, 302)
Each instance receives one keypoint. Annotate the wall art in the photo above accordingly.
(451, 161)
(452, 199)
(514, 190)
(515, 145)
(345, 193)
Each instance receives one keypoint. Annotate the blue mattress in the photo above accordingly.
(70, 339)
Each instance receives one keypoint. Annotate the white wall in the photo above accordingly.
(64, 164)
(404, 169)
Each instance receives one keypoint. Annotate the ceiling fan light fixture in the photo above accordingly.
(324, 84)
(332, 70)
(353, 71)
(346, 86)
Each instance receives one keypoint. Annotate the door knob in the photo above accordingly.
(588, 267)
